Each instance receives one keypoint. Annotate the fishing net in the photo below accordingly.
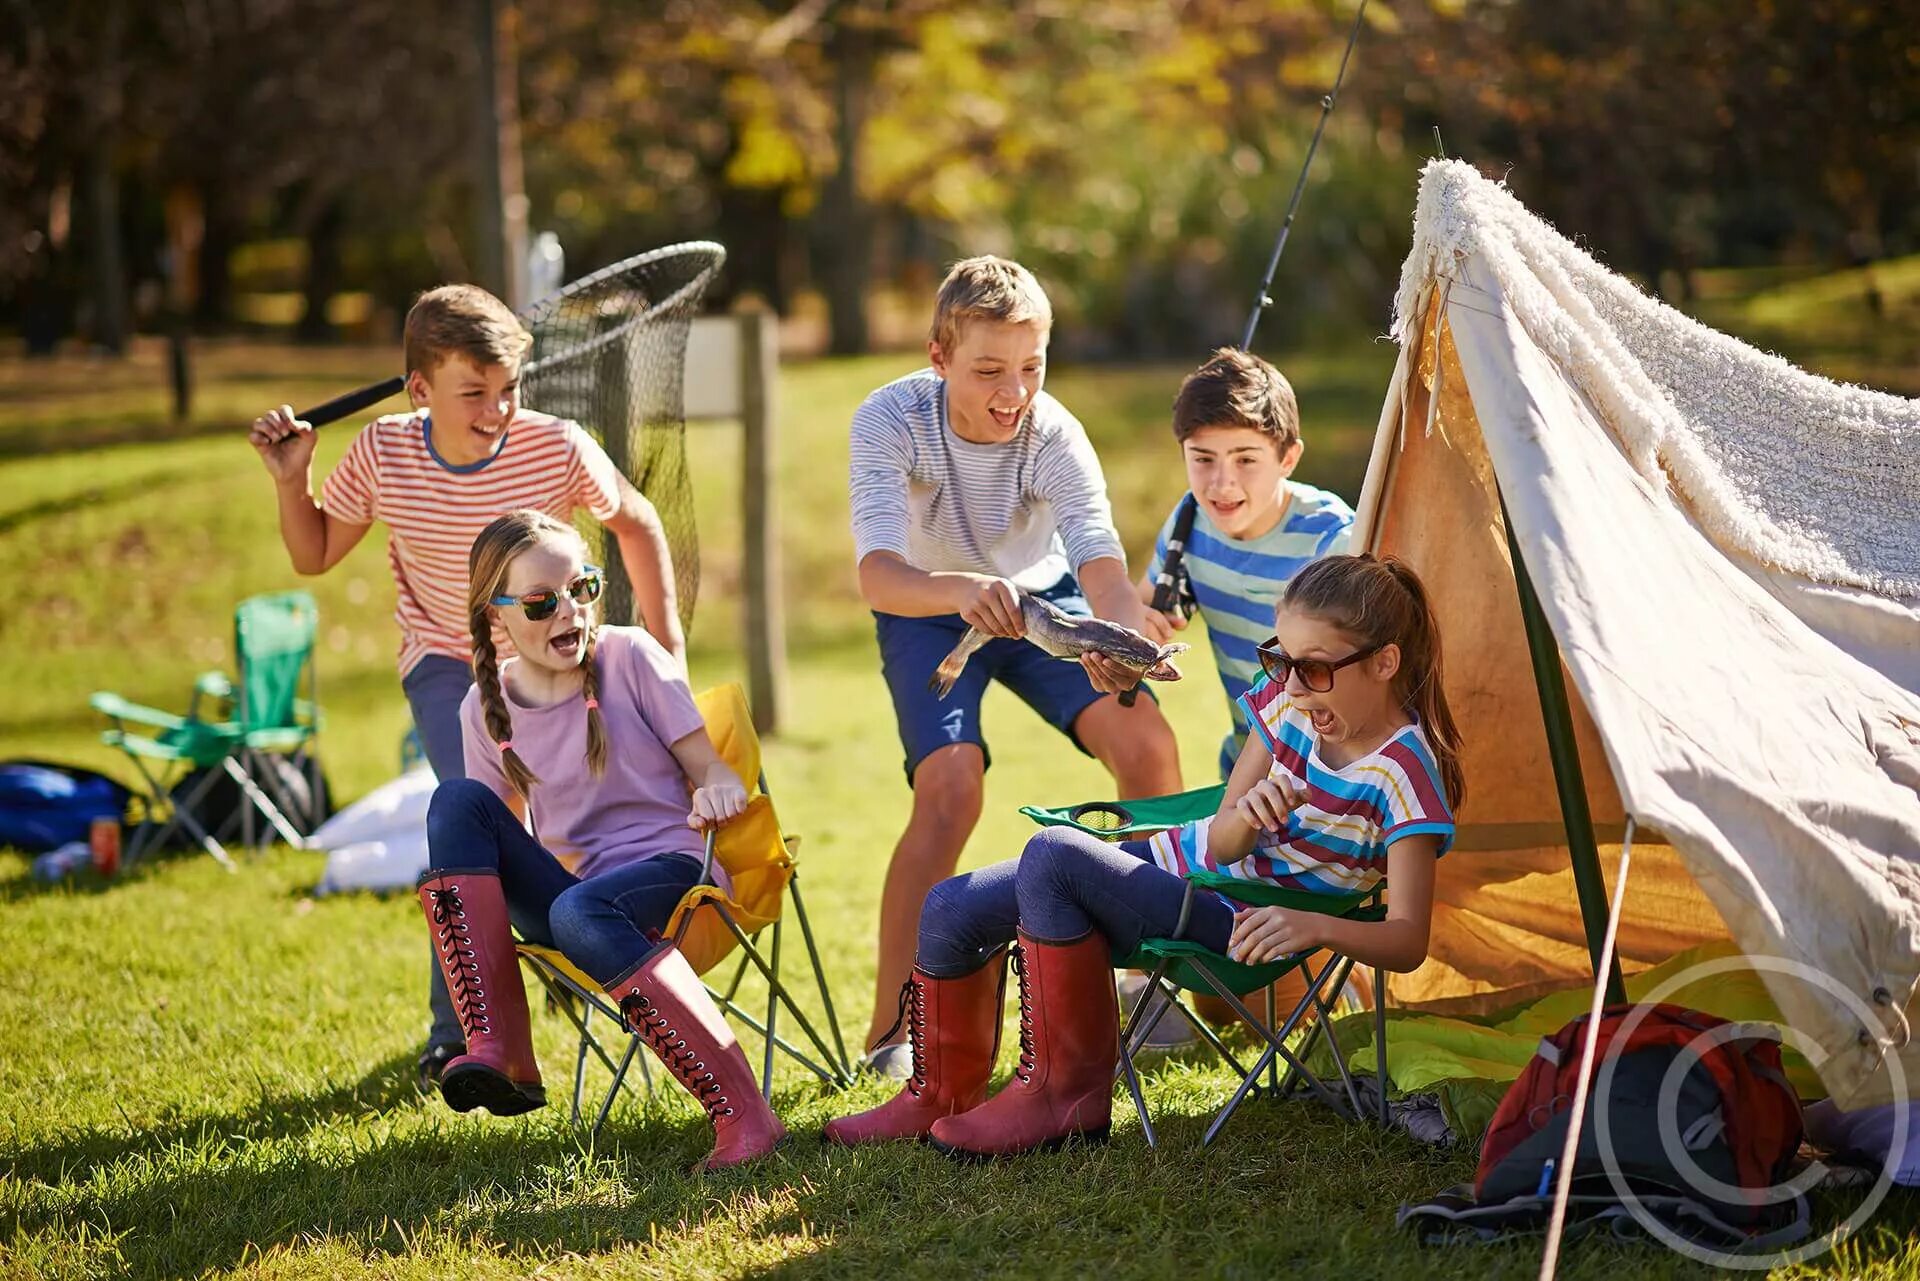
(609, 352)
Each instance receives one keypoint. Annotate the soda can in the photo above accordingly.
(104, 839)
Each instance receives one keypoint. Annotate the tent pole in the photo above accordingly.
(1567, 776)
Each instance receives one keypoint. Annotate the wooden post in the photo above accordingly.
(766, 634)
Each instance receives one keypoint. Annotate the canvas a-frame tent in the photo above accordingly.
(1724, 553)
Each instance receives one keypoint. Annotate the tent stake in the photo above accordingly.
(1567, 776)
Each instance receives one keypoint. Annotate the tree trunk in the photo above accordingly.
(323, 273)
(107, 271)
(500, 201)
(843, 229)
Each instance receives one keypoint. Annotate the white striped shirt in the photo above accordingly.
(434, 510)
(1032, 509)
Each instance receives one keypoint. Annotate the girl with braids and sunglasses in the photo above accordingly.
(1351, 776)
(592, 732)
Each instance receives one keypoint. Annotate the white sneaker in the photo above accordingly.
(1172, 1032)
(895, 1061)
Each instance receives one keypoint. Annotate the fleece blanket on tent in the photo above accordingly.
(1726, 552)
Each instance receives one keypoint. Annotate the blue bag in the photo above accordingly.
(43, 806)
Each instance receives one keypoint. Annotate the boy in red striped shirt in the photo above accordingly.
(436, 477)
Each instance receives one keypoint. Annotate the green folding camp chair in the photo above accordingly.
(1176, 965)
(262, 712)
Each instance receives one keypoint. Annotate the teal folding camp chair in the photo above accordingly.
(262, 712)
(1175, 965)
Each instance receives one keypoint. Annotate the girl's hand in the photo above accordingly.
(1262, 934)
(1268, 803)
(714, 804)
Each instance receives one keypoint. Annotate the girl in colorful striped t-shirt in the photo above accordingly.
(1352, 777)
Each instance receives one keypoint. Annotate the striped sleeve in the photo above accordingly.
(592, 479)
(881, 458)
(351, 491)
(1067, 475)
(1413, 795)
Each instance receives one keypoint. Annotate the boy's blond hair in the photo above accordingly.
(1238, 389)
(463, 320)
(988, 288)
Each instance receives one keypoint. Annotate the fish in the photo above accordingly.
(1067, 637)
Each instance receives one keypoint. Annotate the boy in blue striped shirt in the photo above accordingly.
(1253, 528)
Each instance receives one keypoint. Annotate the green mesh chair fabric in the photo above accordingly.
(272, 642)
(1120, 820)
(1182, 956)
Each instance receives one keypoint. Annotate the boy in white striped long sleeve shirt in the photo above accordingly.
(969, 483)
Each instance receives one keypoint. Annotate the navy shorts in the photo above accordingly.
(910, 648)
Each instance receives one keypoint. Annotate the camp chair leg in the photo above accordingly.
(773, 980)
(1332, 977)
(732, 1009)
(738, 974)
(182, 816)
(613, 1091)
(1275, 1045)
(580, 1071)
(1170, 1000)
(1200, 1028)
(773, 1013)
(1132, 1036)
(264, 803)
(1273, 1065)
(844, 1063)
(1380, 1038)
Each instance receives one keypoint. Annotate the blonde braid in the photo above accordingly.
(596, 724)
(486, 674)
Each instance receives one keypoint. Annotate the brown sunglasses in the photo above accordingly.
(1315, 673)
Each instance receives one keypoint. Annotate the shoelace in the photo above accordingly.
(643, 1017)
(913, 1012)
(1023, 1070)
(450, 921)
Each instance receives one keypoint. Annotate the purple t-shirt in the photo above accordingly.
(639, 807)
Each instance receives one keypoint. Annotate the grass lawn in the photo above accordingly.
(211, 1074)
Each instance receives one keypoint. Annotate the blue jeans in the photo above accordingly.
(1064, 884)
(605, 924)
(434, 690)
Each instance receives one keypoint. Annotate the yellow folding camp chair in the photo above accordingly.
(710, 923)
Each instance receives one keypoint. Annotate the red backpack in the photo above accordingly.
(1736, 1118)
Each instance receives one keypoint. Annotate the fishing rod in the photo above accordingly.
(1261, 300)
(1171, 587)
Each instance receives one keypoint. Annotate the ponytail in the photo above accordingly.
(1426, 691)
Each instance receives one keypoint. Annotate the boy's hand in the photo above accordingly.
(1108, 676)
(1268, 803)
(285, 443)
(993, 606)
(1262, 934)
(714, 804)
(1159, 628)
